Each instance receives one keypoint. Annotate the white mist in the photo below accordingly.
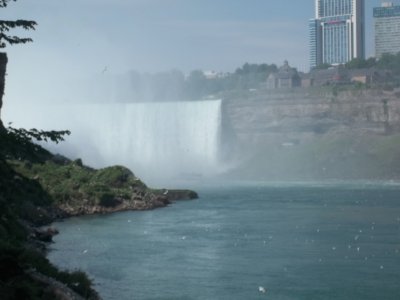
(159, 142)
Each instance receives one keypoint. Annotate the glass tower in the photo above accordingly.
(387, 29)
(337, 32)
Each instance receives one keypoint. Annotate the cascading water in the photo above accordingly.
(156, 140)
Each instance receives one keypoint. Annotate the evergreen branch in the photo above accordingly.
(19, 143)
(3, 3)
(38, 135)
(12, 40)
(25, 24)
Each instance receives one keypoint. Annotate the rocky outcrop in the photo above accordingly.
(74, 189)
(139, 200)
(174, 195)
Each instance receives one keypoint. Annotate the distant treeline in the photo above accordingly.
(388, 61)
(174, 85)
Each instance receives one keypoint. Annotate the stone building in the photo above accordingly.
(286, 77)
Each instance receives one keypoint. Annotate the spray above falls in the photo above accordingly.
(156, 140)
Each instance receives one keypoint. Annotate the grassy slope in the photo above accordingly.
(75, 187)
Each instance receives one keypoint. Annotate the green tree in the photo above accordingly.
(323, 66)
(360, 63)
(7, 39)
(390, 62)
(252, 75)
(196, 85)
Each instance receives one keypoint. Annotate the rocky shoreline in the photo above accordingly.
(158, 199)
(73, 189)
(147, 201)
(40, 237)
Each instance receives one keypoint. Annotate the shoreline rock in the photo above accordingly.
(157, 200)
(73, 189)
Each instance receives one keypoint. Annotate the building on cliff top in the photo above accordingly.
(341, 75)
(286, 77)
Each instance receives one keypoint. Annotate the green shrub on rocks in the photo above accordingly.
(75, 184)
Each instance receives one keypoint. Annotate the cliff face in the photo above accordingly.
(289, 132)
(301, 115)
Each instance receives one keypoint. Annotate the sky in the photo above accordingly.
(79, 39)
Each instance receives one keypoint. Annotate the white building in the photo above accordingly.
(337, 33)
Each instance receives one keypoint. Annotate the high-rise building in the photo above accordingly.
(387, 29)
(337, 33)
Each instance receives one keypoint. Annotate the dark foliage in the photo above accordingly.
(24, 200)
(323, 66)
(249, 76)
(3, 3)
(387, 62)
(17, 143)
(173, 85)
(359, 63)
(6, 26)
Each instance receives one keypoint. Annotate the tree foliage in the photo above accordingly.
(6, 26)
(3, 3)
(25, 135)
(323, 66)
(250, 76)
(387, 61)
(173, 85)
(360, 63)
(18, 143)
(390, 62)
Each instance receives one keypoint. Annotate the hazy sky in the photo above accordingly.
(78, 38)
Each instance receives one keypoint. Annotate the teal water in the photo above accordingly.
(299, 242)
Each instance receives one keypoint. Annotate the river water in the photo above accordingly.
(298, 241)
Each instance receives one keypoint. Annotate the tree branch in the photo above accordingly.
(25, 24)
(3, 3)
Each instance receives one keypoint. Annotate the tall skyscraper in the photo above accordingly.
(337, 33)
(387, 29)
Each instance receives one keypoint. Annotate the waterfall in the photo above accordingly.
(155, 140)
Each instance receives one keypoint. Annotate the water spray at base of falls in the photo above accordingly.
(156, 140)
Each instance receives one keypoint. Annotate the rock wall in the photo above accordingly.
(299, 116)
(304, 136)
